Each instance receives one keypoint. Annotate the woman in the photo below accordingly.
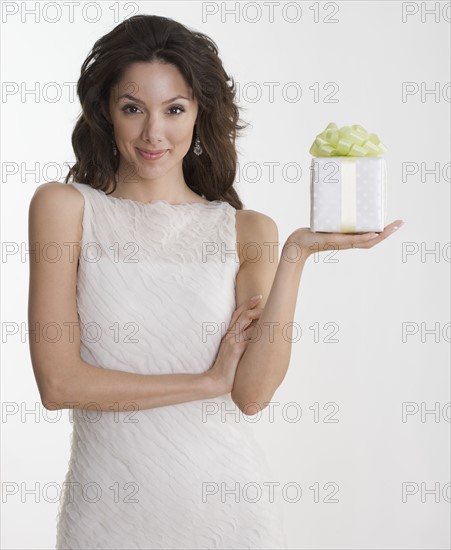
(150, 352)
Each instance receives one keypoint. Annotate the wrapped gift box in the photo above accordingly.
(347, 193)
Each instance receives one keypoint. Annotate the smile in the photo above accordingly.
(151, 156)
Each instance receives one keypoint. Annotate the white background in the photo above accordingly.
(370, 372)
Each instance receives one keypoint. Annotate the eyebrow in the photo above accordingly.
(135, 99)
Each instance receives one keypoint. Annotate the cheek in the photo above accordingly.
(125, 132)
(181, 135)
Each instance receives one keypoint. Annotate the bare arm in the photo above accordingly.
(265, 362)
(111, 390)
(64, 380)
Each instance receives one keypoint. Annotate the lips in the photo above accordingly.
(151, 154)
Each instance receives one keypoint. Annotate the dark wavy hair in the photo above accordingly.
(148, 38)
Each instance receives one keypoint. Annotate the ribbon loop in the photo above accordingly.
(348, 141)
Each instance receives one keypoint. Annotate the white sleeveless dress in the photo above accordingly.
(155, 295)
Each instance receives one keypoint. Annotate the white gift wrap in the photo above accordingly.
(348, 194)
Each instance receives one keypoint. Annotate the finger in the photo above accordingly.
(244, 322)
(388, 230)
(245, 335)
(239, 332)
(393, 226)
(251, 315)
(345, 240)
(254, 312)
(365, 240)
(251, 303)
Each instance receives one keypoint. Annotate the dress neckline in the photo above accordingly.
(155, 202)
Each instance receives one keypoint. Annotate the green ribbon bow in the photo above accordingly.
(348, 141)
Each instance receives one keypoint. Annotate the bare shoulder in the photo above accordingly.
(56, 193)
(254, 227)
(59, 206)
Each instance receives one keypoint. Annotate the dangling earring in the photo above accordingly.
(197, 148)
(112, 141)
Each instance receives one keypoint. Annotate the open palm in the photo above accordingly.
(311, 242)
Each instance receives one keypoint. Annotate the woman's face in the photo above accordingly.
(148, 114)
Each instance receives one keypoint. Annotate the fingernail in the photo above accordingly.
(398, 226)
(372, 235)
(256, 297)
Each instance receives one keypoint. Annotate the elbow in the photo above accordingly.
(50, 403)
(53, 387)
(49, 397)
(249, 406)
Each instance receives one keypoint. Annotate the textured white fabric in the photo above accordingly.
(155, 294)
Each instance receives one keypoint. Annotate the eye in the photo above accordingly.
(130, 106)
(126, 110)
(179, 107)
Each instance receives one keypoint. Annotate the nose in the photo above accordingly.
(153, 129)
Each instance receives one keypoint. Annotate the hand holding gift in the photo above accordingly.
(347, 192)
